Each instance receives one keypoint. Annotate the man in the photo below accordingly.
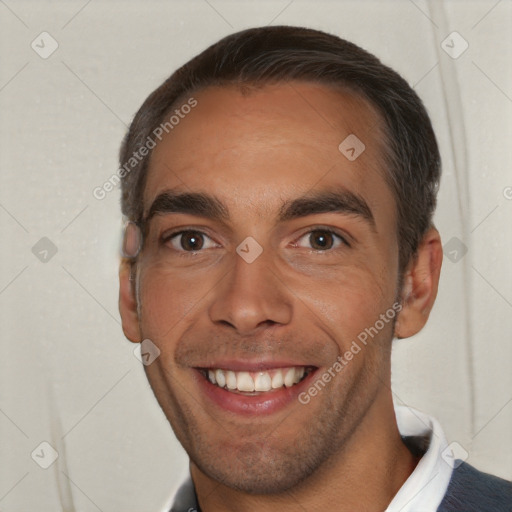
(280, 189)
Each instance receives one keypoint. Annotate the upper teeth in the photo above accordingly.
(256, 381)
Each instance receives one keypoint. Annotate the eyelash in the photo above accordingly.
(331, 231)
(168, 237)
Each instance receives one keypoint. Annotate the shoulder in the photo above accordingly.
(471, 490)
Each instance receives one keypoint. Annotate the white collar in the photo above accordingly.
(425, 488)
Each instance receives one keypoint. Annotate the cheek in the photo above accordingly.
(348, 301)
(349, 310)
(355, 319)
(168, 302)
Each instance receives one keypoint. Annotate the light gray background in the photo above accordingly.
(68, 376)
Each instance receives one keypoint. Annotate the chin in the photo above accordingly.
(256, 474)
(262, 469)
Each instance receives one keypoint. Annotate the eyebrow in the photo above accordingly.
(201, 204)
(195, 203)
(332, 201)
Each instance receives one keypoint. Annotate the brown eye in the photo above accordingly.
(189, 241)
(322, 240)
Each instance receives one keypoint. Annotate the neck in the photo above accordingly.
(365, 475)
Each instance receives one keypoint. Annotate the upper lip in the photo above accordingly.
(256, 365)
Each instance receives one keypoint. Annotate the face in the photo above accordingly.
(268, 254)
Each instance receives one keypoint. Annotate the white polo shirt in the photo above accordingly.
(425, 488)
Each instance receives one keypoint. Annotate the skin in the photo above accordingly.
(254, 151)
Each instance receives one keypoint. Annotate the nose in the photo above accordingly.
(251, 297)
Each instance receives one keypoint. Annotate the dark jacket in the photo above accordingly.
(471, 490)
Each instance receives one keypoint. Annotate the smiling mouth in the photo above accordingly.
(252, 383)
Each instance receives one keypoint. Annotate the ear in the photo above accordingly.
(128, 303)
(419, 290)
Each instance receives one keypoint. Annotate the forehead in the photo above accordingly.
(256, 148)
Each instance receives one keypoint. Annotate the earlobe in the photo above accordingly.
(420, 286)
(128, 304)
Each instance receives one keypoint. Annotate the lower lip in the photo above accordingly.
(264, 403)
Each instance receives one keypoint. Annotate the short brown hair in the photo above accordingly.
(282, 53)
